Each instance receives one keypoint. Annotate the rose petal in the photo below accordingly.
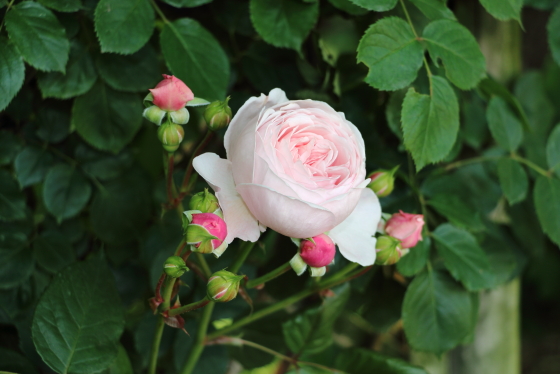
(217, 172)
(354, 236)
(288, 216)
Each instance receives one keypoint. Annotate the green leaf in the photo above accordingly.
(455, 209)
(284, 23)
(66, 191)
(12, 71)
(547, 204)
(12, 200)
(13, 362)
(311, 332)
(53, 251)
(436, 312)
(488, 87)
(464, 258)
(376, 5)
(503, 9)
(16, 260)
(10, 145)
(107, 119)
(38, 35)
(504, 125)
(348, 7)
(474, 129)
(31, 165)
(120, 212)
(363, 361)
(458, 49)
(79, 77)
(195, 56)
(553, 28)
(553, 150)
(121, 365)
(63, 5)
(393, 112)
(130, 73)
(187, 3)
(430, 123)
(416, 258)
(79, 319)
(391, 52)
(338, 36)
(513, 180)
(434, 9)
(102, 165)
(54, 124)
(123, 26)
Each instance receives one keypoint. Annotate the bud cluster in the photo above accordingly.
(316, 252)
(401, 231)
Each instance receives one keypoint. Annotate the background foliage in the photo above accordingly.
(83, 239)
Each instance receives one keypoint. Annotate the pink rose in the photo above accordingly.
(406, 227)
(171, 94)
(201, 228)
(297, 167)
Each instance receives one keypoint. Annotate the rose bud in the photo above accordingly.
(406, 227)
(154, 114)
(205, 232)
(204, 201)
(175, 266)
(171, 135)
(180, 117)
(317, 252)
(388, 250)
(382, 181)
(223, 286)
(171, 94)
(218, 115)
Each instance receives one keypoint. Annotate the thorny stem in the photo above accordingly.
(241, 256)
(198, 345)
(189, 307)
(186, 179)
(204, 265)
(269, 276)
(167, 291)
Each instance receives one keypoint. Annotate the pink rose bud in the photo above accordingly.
(406, 227)
(382, 181)
(171, 94)
(206, 233)
(223, 286)
(317, 252)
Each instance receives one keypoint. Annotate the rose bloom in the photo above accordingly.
(297, 167)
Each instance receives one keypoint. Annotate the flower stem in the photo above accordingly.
(198, 345)
(532, 165)
(159, 12)
(269, 276)
(241, 256)
(189, 307)
(169, 176)
(468, 161)
(186, 179)
(204, 265)
(155, 345)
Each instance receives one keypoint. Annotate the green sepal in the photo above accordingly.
(187, 217)
(198, 234)
(197, 101)
(148, 100)
(204, 247)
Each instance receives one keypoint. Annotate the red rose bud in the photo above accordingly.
(206, 232)
(406, 227)
(175, 266)
(204, 201)
(223, 286)
(171, 135)
(218, 115)
(171, 94)
(382, 181)
(388, 250)
(318, 251)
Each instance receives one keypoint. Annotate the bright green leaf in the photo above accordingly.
(53, 251)
(195, 56)
(31, 165)
(513, 180)
(553, 28)
(16, 260)
(10, 145)
(376, 5)
(458, 49)
(436, 312)
(66, 191)
(123, 26)
(284, 23)
(54, 124)
(430, 123)
(107, 119)
(38, 35)
(79, 77)
(79, 319)
(63, 5)
(391, 52)
(416, 258)
(454, 208)
(464, 258)
(12, 200)
(547, 204)
(12, 71)
(363, 361)
(434, 9)
(504, 125)
(553, 150)
(503, 9)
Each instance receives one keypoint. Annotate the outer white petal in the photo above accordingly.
(217, 172)
(354, 236)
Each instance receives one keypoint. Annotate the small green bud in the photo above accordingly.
(180, 117)
(382, 181)
(204, 201)
(154, 114)
(171, 135)
(223, 286)
(174, 266)
(388, 250)
(218, 115)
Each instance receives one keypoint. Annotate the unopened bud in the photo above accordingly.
(180, 116)
(204, 201)
(223, 286)
(388, 250)
(316, 252)
(174, 266)
(382, 181)
(218, 115)
(171, 135)
(406, 227)
(205, 232)
(154, 114)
